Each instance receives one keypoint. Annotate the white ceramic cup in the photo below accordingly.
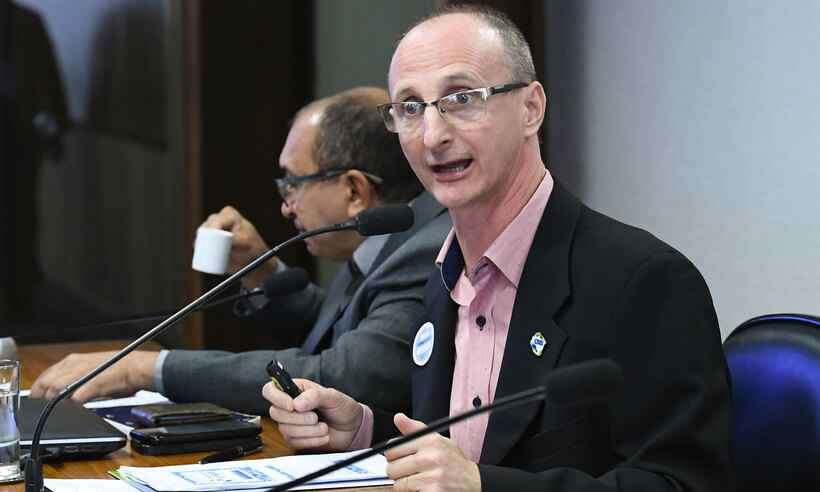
(212, 249)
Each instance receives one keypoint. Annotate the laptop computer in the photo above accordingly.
(71, 431)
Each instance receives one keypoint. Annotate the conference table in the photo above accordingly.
(36, 358)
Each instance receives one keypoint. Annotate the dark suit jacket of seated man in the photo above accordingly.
(363, 338)
(338, 159)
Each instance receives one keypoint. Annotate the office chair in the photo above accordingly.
(774, 361)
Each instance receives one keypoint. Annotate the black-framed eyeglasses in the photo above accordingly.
(458, 109)
(290, 185)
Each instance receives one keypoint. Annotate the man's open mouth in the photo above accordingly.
(452, 167)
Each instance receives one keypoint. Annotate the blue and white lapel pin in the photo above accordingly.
(538, 343)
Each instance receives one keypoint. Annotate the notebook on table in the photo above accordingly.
(71, 431)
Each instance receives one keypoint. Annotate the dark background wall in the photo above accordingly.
(174, 109)
(106, 210)
(256, 73)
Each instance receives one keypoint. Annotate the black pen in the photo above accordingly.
(229, 454)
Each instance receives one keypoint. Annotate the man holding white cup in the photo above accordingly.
(212, 249)
(338, 160)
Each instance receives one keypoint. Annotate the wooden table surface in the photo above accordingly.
(36, 358)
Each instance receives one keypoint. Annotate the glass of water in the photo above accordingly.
(9, 433)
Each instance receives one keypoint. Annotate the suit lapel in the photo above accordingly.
(432, 382)
(542, 290)
(330, 311)
(425, 208)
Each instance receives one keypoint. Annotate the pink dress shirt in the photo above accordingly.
(485, 298)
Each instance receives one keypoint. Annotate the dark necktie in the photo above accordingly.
(356, 278)
(338, 297)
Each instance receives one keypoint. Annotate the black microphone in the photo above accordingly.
(282, 283)
(285, 282)
(384, 220)
(583, 383)
(279, 284)
(365, 222)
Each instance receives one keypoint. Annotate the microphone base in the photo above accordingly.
(34, 475)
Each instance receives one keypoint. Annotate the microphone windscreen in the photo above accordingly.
(384, 220)
(586, 382)
(285, 282)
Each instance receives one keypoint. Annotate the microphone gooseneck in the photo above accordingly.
(585, 382)
(34, 466)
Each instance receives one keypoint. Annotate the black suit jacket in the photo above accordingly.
(597, 288)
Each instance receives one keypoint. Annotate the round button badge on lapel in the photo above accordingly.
(423, 344)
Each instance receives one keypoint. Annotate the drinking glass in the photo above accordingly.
(9, 433)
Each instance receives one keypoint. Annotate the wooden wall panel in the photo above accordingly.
(256, 72)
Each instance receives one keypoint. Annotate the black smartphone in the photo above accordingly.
(188, 433)
(282, 379)
(154, 449)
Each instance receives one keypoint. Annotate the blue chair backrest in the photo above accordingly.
(774, 361)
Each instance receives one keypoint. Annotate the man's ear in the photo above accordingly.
(535, 108)
(361, 193)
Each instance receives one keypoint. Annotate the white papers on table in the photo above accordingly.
(141, 397)
(238, 475)
(125, 429)
(64, 485)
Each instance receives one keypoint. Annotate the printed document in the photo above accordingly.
(250, 474)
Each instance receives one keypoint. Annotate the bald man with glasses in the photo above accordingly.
(529, 280)
(337, 161)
